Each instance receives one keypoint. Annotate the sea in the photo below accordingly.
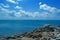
(12, 27)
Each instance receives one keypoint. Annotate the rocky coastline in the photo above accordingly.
(46, 32)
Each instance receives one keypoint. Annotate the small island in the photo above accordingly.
(46, 32)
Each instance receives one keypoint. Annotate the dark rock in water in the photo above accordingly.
(10, 38)
(46, 32)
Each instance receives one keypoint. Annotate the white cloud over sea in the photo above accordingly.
(48, 8)
(48, 13)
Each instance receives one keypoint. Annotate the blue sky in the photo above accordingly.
(29, 9)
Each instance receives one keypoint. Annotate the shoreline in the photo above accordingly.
(45, 32)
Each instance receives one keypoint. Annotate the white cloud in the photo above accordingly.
(32, 15)
(48, 8)
(18, 14)
(12, 1)
(40, 3)
(18, 7)
(6, 11)
(3, 5)
(3, 9)
(22, 14)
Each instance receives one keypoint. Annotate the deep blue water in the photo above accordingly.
(10, 27)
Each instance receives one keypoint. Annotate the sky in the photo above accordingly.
(29, 9)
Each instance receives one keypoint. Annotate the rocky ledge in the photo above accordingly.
(46, 32)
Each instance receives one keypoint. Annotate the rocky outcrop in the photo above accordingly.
(46, 32)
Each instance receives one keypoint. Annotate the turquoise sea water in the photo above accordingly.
(10, 27)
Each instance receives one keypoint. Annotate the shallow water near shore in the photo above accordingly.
(11, 27)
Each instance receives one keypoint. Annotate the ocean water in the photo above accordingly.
(11, 27)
